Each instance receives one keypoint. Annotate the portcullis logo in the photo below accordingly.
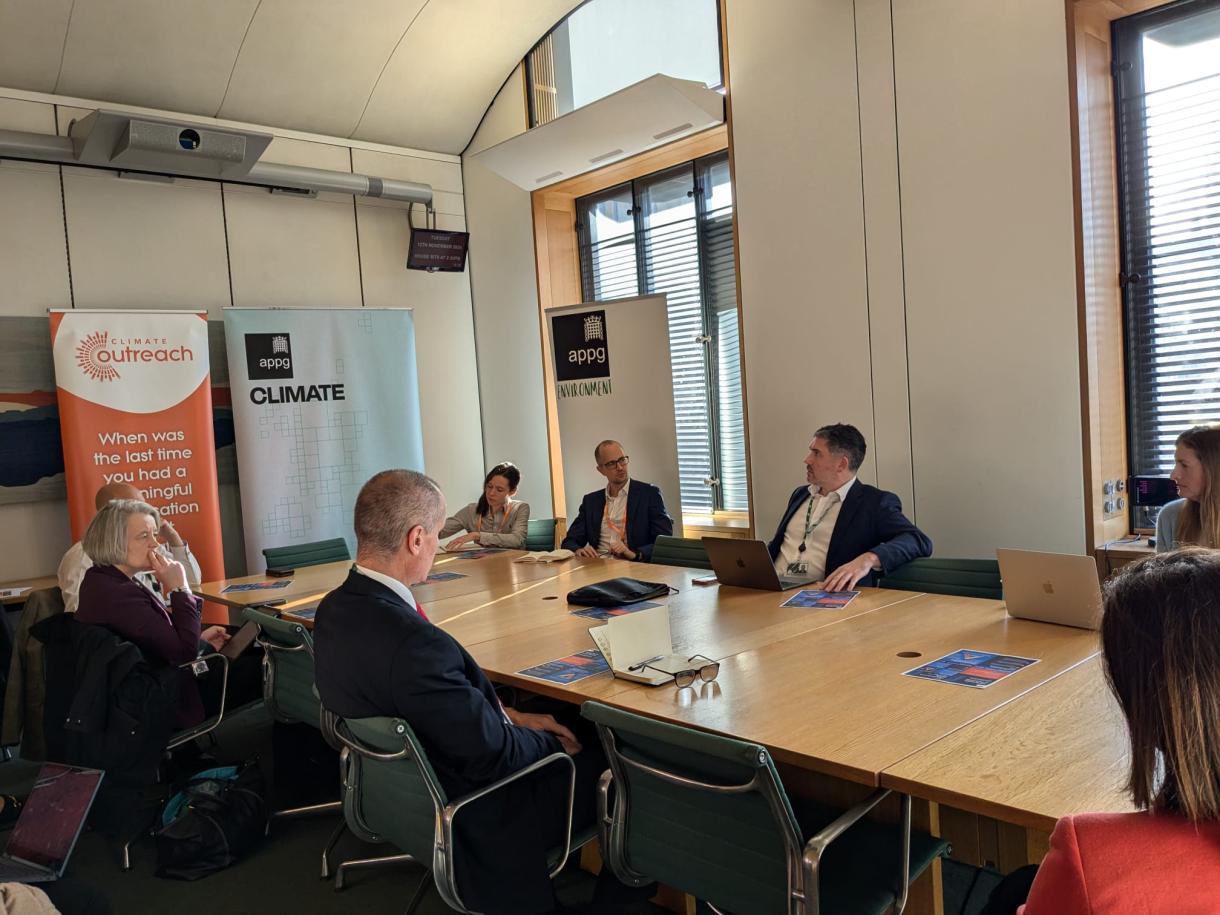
(87, 357)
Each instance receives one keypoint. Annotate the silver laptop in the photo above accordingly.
(747, 564)
(49, 825)
(1051, 587)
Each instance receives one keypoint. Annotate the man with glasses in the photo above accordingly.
(623, 520)
(840, 531)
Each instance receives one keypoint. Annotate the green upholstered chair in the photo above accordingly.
(391, 794)
(680, 551)
(709, 816)
(961, 577)
(288, 691)
(306, 554)
(540, 535)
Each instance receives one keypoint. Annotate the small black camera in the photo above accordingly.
(189, 139)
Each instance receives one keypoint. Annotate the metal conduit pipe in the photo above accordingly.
(19, 144)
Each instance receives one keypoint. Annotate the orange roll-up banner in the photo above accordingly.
(135, 406)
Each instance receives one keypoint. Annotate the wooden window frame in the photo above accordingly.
(557, 259)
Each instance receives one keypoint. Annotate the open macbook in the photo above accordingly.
(1051, 587)
(49, 825)
(747, 564)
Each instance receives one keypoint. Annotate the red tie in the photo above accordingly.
(420, 611)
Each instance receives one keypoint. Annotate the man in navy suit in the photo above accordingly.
(838, 530)
(377, 654)
(624, 519)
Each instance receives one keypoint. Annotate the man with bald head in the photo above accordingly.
(75, 563)
(376, 653)
(623, 520)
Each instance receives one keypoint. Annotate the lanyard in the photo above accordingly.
(830, 498)
(621, 530)
(508, 512)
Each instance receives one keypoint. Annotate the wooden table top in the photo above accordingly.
(1059, 749)
(306, 584)
(834, 699)
(538, 626)
(33, 584)
(310, 584)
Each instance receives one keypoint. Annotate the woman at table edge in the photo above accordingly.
(496, 520)
(1194, 519)
(1160, 635)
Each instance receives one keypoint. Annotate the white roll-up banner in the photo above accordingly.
(323, 398)
(613, 381)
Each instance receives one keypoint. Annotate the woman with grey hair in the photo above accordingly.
(122, 541)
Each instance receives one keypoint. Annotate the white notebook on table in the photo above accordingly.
(639, 638)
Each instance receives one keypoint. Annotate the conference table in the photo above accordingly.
(825, 691)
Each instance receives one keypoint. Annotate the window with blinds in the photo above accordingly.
(672, 232)
(1167, 91)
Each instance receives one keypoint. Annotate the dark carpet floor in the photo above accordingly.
(283, 874)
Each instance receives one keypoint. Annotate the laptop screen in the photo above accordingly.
(53, 815)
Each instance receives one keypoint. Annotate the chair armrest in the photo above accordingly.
(450, 812)
(821, 839)
(211, 724)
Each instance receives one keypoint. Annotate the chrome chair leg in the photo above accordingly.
(368, 863)
(338, 831)
(420, 892)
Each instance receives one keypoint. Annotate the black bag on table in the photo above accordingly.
(213, 822)
(615, 592)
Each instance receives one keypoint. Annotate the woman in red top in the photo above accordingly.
(1161, 642)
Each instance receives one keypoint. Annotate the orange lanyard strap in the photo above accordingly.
(621, 530)
(508, 513)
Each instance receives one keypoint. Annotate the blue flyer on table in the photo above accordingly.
(605, 613)
(475, 554)
(305, 613)
(258, 586)
(570, 669)
(967, 667)
(443, 576)
(821, 600)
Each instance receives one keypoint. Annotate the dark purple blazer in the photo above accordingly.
(109, 598)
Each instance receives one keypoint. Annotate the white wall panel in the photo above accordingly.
(286, 250)
(140, 244)
(984, 144)
(796, 142)
(33, 538)
(891, 440)
(31, 42)
(504, 283)
(33, 256)
(444, 347)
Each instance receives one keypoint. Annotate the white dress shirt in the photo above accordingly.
(617, 512)
(75, 564)
(392, 583)
(822, 517)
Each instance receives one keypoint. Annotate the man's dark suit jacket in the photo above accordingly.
(870, 520)
(375, 655)
(166, 635)
(647, 519)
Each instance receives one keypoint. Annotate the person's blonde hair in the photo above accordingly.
(105, 540)
(1199, 522)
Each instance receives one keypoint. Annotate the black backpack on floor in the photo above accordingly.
(213, 822)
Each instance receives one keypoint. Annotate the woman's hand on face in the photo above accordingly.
(169, 572)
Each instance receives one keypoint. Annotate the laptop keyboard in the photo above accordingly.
(16, 872)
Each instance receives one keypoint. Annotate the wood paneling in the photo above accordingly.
(1103, 396)
(558, 257)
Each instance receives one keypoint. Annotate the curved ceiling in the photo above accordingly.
(413, 73)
